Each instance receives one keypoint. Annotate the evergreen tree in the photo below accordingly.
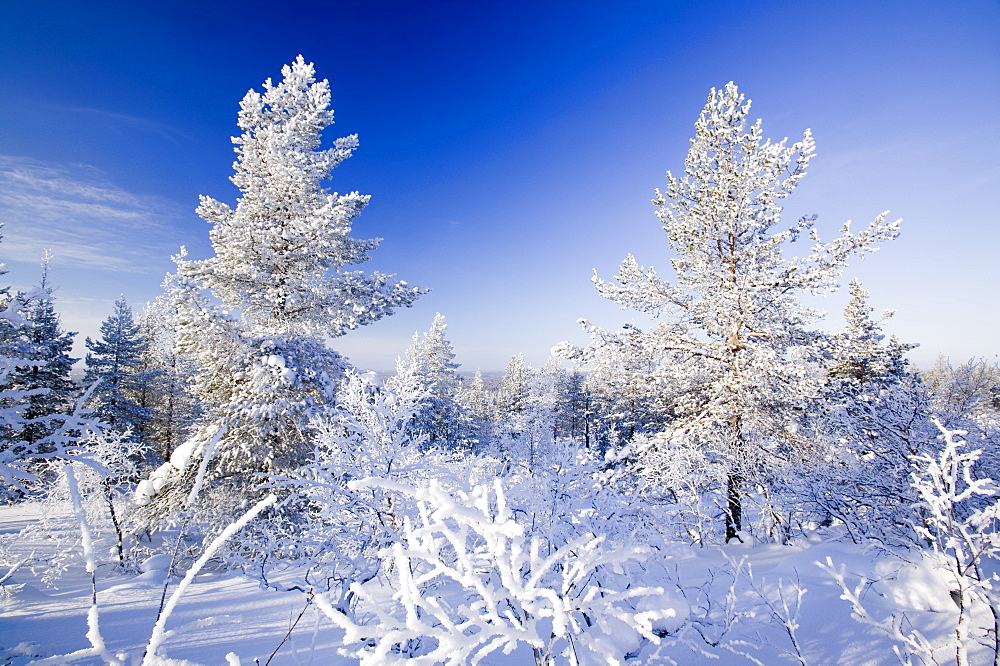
(514, 391)
(574, 419)
(732, 323)
(631, 391)
(874, 419)
(116, 361)
(280, 256)
(174, 408)
(860, 355)
(526, 411)
(49, 380)
(478, 405)
(428, 368)
(14, 352)
(281, 272)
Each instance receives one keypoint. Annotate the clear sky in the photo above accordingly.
(509, 147)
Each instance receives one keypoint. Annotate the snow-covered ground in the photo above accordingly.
(752, 620)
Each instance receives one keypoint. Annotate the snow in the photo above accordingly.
(218, 614)
(227, 618)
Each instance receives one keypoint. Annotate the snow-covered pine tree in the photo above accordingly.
(733, 319)
(478, 406)
(512, 395)
(50, 346)
(860, 354)
(630, 394)
(429, 366)
(14, 354)
(512, 399)
(116, 360)
(574, 408)
(874, 417)
(526, 417)
(281, 255)
(281, 270)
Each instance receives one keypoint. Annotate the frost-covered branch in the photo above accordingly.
(159, 630)
(467, 582)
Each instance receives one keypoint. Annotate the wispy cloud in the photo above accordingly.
(167, 131)
(86, 220)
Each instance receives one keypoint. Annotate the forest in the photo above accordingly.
(717, 480)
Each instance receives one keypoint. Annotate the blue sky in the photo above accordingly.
(509, 147)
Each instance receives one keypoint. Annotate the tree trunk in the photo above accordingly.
(734, 506)
(734, 483)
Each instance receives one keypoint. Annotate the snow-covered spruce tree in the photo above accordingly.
(428, 367)
(281, 272)
(875, 416)
(28, 439)
(14, 353)
(478, 405)
(116, 361)
(49, 380)
(732, 320)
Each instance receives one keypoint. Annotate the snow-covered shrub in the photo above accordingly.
(957, 517)
(325, 530)
(568, 494)
(465, 580)
(962, 531)
(677, 474)
(100, 469)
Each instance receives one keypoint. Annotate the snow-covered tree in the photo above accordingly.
(515, 386)
(630, 393)
(969, 391)
(29, 435)
(514, 428)
(428, 368)
(465, 580)
(281, 271)
(116, 361)
(14, 354)
(860, 354)
(479, 408)
(281, 256)
(574, 418)
(732, 321)
(172, 404)
(874, 418)
(49, 380)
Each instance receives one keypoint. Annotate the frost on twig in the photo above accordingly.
(464, 581)
(159, 631)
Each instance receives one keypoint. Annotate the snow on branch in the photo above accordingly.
(464, 581)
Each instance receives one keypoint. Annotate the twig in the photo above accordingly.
(309, 600)
(159, 634)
